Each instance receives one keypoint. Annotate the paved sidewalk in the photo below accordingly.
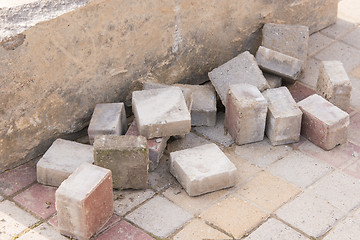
(295, 191)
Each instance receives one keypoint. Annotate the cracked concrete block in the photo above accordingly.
(245, 113)
(278, 63)
(241, 69)
(273, 80)
(323, 123)
(62, 159)
(84, 201)
(202, 169)
(334, 84)
(283, 121)
(161, 112)
(107, 119)
(291, 40)
(156, 146)
(126, 156)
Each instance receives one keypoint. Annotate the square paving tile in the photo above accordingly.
(13, 220)
(354, 129)
(317, 42)
(234, 215)
(309, 76)
(353, 169)
(310, 214)
(339, 29)
(159, 216)
(128, 199)
(299, 91)
(355, 98)
(353, 38)
(299, 169)
(268, 191)
(16, 179)
(348, 229)
(273, 229)
(42, 232)
(39, 199)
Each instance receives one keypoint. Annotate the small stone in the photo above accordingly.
(273, 80)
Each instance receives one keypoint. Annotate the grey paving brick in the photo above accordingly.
(126, 200)
(317, 42)
(339, 29)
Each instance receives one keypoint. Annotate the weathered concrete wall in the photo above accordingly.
(58, 70)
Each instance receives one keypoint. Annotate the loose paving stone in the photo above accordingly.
(42, 232)
(300, 91)
(339, 29)
(323, 123)
(278, 63)
(198, 230)
(234, 215)
(217, 133)
(159, 216)
(273, 80)
(334, 84)
(310, 214)
(84, 201)
(353, 38)
(283, 121)
(38, 199)
(310, 74)
(126, 156)
(202, 169)
(291, 40)
(156, 146)
(61, 159)
(268, 191)
(317, 42)
(245, 113)
(241, 69)
(161, 112)
(126, 200)
(190, 140)
(107, 119)
(275, 230)
(339, 189)
(348, 229)
(13, 220)
(299, 169)
(354, 129)
(17, 179)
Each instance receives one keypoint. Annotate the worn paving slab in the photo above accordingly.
(347, 229)
(126, 200)
(17, 179)
(317, 42)
(349, 11)
(42, 232)
(353, 38)
(339, 29)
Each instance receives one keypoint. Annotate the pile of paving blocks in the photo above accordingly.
(255, 104)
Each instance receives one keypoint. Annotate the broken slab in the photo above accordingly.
(273, 80)
(61, 160)
(126, 156)
(202, 169)
(278, 63)
(241, 69)
(283, 122)
(84, 201)
(323, 123)
(161, 112)
(107, 119)
(245, 113)
(156, 146)
(334, 84)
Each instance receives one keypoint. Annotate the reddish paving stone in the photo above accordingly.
(39, 199)
(16, 179)
(353, 169)
(354, 129)
(124, 231)
(53, 221)
(299, 91)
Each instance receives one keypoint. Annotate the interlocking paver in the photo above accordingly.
(42, 232)
(353, 38)
(310, 75)
(348, 229)
(126, 200)
(159, 216)
(354, 129)
(339, 29)
(299, 169)
(16, 179)
(317, 42)
(300, 91)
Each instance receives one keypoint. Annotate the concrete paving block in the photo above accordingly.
(323, 123)
(273, 80)
(126, 200)
(203, 169)
(292, 40)
(161, 112)
(126, 156)
(283, 121)
(42, 232)
(60, 160)
(245, 113)
(156, 146)
(348, 229)
(107, 119)
(334, 84)
(241, 69)
(278, 63)
(84, 201)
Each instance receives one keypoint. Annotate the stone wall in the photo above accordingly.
(53, 74)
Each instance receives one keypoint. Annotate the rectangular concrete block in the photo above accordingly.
(62, 159)
(84, 201)
(202, 169)
(241, 69)
(334, 84)
(245, 113)
(323, 123)
(283, 122)
(126, 156)
(278, 63)
(107, 119)
(273, 80)
(156, 146)
(161, 112)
